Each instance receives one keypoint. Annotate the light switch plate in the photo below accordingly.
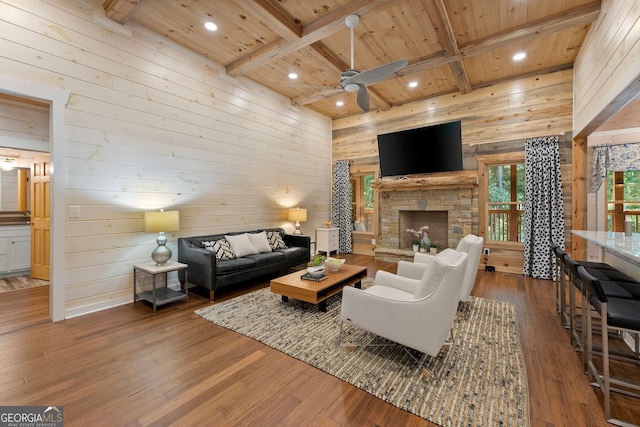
(74, 211)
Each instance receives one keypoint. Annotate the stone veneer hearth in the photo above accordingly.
(460, 203)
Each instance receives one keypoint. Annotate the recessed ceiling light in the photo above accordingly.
(519, 56)
(339, 103)
(210, 26)
(293, 76)
(413, 84)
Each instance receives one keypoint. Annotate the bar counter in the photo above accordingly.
(622, 252)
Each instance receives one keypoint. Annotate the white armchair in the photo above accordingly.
(472, 246)
(417, 313)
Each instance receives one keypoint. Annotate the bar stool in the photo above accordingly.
(610, 272)
(615, 284)
(618, 315)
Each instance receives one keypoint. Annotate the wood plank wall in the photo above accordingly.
(607, 76)
(152, 125)
(495, 120)
(607, 65)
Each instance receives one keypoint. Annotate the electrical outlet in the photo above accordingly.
(487, 251)
(373, 241)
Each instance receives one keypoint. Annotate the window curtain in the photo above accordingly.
(341, 206)
(619, 158)
(544, 214)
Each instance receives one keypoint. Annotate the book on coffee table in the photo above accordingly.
(307, 276)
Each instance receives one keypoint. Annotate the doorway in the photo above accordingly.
(21, 122)
(56, 99)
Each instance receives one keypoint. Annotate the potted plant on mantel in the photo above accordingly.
(415, 239)
(433, 249)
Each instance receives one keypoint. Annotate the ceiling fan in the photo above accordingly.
(353, 80)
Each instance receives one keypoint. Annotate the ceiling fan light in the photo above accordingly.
(352, 87)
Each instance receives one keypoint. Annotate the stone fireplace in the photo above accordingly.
(447, 204)
(436, 220)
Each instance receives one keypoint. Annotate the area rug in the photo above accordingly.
(480, 381)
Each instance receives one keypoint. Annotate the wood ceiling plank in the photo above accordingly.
(564, 20)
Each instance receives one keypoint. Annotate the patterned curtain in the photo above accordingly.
(619, 158)
(341, 207)
(544, 214)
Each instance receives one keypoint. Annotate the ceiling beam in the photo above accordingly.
(120, 10)
(437, 12)
(562, 21)
(311, 33)
(276, 18)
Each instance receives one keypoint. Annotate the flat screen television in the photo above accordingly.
(430, 149)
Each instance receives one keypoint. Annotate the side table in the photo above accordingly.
(327, 240)
(163, 295)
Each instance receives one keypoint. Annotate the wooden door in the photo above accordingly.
(40, 220)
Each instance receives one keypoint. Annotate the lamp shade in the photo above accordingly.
(155, 222)
(297, 214)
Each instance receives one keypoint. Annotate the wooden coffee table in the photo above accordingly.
(292, 286)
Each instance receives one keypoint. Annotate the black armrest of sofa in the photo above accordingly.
(202, 263)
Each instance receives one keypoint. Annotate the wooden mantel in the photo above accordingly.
(444, 180)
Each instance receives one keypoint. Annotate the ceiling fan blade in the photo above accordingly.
(378, 73)
(363, 97)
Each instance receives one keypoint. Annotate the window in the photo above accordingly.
(502, 197)
(622, 200)
(364, 204)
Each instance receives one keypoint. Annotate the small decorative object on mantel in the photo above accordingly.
(426, 242)
(434, 248)
(328, 224)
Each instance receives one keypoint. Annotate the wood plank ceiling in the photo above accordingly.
(451, 45)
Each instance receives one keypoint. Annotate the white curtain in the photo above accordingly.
(619, 158)
(544, 213)
(341, 207)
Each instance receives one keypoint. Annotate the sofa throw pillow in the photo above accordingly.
(241, 245)
(275, 240)
(221, 248)
(260, 242)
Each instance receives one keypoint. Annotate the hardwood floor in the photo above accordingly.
(130, 366)
(9, 284)
(23, 308)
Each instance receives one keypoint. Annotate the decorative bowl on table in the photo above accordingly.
(333, 264)
(316, 271)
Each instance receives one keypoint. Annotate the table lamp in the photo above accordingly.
(297, 215)
(159, 222)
